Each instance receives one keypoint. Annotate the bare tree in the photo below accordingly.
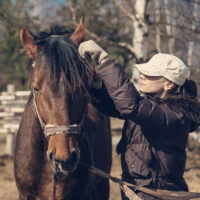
(153, 26)
(191, 43)
(140, 27)
(170, 26)
(157, 7)
(139, 36)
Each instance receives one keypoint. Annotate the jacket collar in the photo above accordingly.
(188, 106)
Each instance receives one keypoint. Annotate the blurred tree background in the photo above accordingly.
(12, 57)
(131, 31)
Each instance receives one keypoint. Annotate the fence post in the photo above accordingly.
(10, 143)
(10, 88)
(10, 135)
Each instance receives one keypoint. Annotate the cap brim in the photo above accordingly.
(147, 69)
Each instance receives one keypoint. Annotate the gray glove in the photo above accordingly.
(95, 51)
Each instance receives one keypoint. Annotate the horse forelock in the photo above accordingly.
(62, 57)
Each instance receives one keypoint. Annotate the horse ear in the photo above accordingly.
(28, 43)
(79, 34)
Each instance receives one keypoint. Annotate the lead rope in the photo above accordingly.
(162, 194)
(130, 194)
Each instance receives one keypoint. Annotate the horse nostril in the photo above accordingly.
(50, 156)
(73, 156)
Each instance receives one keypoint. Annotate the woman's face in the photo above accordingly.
(155, 85)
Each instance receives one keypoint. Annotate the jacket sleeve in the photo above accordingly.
(127, 99)
(102, 101)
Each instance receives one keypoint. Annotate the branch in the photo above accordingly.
(193, 1)
(5, 20)
(3, 16)
(127, 46)
(163, 34)
(131, 16)
(97, 38)
(72, 11)
(197, 31)
(119, 44)
(130, 4)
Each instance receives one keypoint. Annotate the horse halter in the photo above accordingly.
(74, 129)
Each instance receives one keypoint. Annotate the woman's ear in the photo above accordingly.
(168, 85)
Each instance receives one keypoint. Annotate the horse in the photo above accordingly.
(61, 132)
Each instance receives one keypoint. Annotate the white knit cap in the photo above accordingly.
(166, 65)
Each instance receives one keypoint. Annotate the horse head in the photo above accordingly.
(59, 79)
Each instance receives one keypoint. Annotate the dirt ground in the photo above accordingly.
(8, 189)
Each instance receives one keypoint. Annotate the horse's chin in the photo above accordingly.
(61, 168)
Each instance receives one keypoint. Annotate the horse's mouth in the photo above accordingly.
(62, 168)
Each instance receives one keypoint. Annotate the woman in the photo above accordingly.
(156, 126)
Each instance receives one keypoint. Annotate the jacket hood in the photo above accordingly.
(188, 106)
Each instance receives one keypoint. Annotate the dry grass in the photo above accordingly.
(8, 189)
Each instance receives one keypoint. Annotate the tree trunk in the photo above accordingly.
(140, 29)
(170, 26)
(191, 43)
(157, 7)
(139, 37)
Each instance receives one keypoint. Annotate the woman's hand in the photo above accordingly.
(97, 53)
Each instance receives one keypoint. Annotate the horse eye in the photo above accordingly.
(36, 89)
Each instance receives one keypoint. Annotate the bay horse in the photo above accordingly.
(59, 129)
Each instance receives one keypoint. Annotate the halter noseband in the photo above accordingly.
(50, 130)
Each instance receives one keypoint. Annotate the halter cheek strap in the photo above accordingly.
(50, 130)
(36, 110)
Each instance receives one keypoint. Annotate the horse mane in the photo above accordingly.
(63, 57)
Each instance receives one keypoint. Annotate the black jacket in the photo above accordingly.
(155, 132)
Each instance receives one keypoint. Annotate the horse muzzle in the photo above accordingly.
(63, 168)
